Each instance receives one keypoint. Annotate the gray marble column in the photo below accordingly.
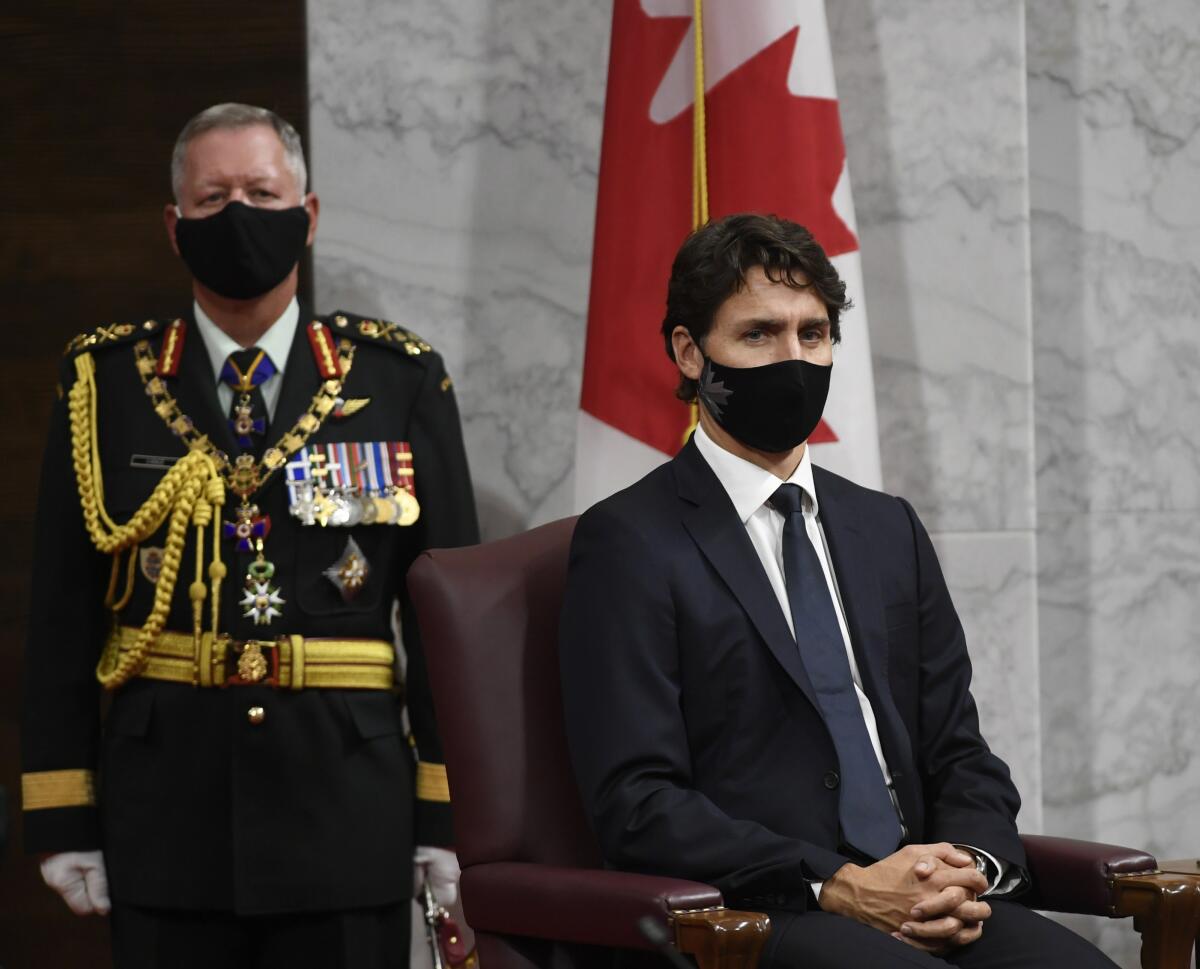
(933, 107)
(1114, 152)
(455, 146)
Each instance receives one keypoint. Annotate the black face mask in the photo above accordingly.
(774, 407)
(242, 252)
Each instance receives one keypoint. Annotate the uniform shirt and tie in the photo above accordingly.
(276, 343)
(751, 490)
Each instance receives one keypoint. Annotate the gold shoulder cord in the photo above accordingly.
(189, 492)
(186, 493)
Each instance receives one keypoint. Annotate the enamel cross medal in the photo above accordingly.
(262, 601)
(250, 528)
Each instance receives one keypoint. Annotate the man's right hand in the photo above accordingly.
(922, 894)
(79, 877)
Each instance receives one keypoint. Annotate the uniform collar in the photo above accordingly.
(748, 485)
(277, 341)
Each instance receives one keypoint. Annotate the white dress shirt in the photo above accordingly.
(277, 342)
(749, 488)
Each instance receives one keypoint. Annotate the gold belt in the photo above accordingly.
(287, 662)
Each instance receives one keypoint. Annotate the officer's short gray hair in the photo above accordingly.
(230, 116)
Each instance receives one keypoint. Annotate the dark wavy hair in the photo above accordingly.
(712, 264)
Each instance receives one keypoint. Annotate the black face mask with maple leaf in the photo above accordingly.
(774, 407)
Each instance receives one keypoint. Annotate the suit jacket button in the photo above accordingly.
(256, 715)
(832, 780)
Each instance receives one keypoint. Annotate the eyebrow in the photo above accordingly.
(777, 322)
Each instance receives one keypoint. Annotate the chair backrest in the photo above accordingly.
(489, 628)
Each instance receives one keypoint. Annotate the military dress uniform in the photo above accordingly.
(238, 607)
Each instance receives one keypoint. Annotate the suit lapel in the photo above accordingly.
(858, 583)
(300, 380)
(711, 520)
(197, 392)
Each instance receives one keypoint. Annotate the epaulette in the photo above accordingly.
(112, 335)
(379, 331)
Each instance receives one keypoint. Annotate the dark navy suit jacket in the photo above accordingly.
(693, 729)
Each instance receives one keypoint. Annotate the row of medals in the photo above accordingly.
(347, 507)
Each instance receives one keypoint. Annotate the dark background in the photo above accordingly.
(92, 96)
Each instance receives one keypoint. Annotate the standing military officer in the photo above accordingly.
(229, 502)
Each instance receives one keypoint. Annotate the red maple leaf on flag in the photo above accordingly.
(768, 151)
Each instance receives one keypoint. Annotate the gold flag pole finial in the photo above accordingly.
(699, 160)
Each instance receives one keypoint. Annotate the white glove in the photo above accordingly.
(79, 877)
(440, 867)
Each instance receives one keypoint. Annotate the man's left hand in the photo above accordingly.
(439, 867)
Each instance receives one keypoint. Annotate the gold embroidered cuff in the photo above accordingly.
(431, 782)
(58, 789)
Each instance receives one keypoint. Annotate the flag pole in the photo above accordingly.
(699, 159)
(699, 139)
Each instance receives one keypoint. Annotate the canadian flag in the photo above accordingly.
(774, 145)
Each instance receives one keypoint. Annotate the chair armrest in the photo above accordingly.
(585, 905)
(1076, 876)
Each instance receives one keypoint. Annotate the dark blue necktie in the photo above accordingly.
(246, 371)
(868, 817)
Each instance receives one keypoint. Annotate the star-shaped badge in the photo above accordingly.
(349, 573)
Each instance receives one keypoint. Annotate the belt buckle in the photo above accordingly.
(257, 663)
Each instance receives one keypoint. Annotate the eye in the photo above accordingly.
(262, 193)
(754, 335)
(813, 334)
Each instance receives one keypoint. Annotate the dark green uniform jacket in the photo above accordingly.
(315, 806)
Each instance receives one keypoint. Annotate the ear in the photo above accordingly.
(312, 205)
(688, 355)
(170, 220)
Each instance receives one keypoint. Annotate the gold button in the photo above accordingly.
(256, 715)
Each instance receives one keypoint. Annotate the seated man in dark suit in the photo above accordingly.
(766, 684)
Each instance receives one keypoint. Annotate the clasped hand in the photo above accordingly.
(924, 895)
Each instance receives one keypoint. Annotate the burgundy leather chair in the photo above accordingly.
(533, 886)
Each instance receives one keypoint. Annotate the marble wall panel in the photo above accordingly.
(1120, 603)
(455, 146)
(1114, 161)
(993, 582)
(933, 108)
(1116, 294)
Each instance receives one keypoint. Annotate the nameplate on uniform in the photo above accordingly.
(153, 462)
(348, 483)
